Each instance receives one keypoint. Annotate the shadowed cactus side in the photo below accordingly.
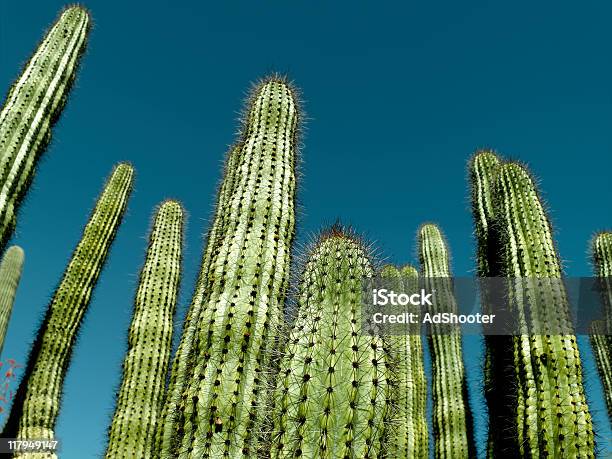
(551, 414)
(37, 400)
(452, 419)
(243, 289)
(601, 331)
(10, 273)
(332, 388)
(139, 401)
(32, 105)
(407, 435)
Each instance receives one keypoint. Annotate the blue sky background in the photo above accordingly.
(397, 97)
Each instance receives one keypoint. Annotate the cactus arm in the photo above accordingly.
(601, 335)
(37, 399)
(150, 339)
(332, 388)
(33, 104)
(408, 435)
(184, 359)
(452, 421)
(552, 417)
(245, 287)
(10, 273)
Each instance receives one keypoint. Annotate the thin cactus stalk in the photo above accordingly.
(408, 435)
(552, 417)
(499, 363)
(32, 106)
(183, 359)
(332, 389)
(145, 366)
(601, 336)
(10, 273)
(452, 419)
(37, 400)
(244, 289)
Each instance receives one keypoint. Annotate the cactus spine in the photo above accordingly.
(332, 388)
(552, 418)
(601, 336)
(139, 402)
(37, 399)
(10, 273)
(244, 288)
(408, 436)
(32, 105)
(452, 421)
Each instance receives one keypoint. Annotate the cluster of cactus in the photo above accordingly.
(244, 381)
(541, 406)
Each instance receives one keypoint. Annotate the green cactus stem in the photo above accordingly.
(243, 289)
(452, 420)
(37, 400)
(32, 106)
(332, 388)
(483, 168)
(601, 336)
(552, 417)
(183, 359)
(408, 436)
(10, 273)
(139, 401)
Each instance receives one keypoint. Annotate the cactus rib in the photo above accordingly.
(10, 273)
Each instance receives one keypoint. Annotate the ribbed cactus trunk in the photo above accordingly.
(601, 331)
(332, 389)
(184, 358)
(32, 105)
(37, 400)
(139, 403)
(452, 419)
(499, 361)
(407, 435)
(552, 417)
(243, 289)
(10, 273)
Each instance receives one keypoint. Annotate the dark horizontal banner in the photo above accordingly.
(487, 306)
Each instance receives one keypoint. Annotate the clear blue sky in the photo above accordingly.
(397, 97)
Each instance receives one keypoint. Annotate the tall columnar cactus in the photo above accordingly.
(32, 105)
(332, 388)
(408, 436)
(499, 362)
(242, 289)
(139, 402)
(37, 399)
(10, 273)
(601, 336)
(183, 358)
(452, 420)
(551, 416)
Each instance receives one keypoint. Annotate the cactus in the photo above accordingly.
(408, 436)
(150, 339)
(601, 336)
(332, 388)
(452, 419)
(10, 273)
(243, 289)
(551, 415)
(32, 105)
(180, 366)
(37, 399)
(483, 168)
